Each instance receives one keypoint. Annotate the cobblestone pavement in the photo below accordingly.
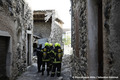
(31, 73)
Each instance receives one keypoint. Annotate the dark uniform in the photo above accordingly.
(51, 56)
(45, 59)
(57, 61)
(39, 57)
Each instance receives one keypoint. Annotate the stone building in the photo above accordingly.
(47, 25)
(95, 38)
(16, 27)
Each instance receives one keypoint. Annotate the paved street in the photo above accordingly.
(31, 73)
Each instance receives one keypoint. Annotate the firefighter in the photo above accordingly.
(39, 57)
(51, 56)
(57, 60)
(60, 55)
(46, 58)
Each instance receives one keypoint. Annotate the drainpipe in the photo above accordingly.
(71, 19)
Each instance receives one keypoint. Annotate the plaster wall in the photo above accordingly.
(15, 19)
(92, 37)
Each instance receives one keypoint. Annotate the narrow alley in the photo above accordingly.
(31, 73)
(87, 31)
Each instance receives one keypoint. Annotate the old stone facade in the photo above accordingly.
(111, 37)
(79, 37)
(41, 28)
(16, 26)
(48, 25)
(56, 29)
(95, 38)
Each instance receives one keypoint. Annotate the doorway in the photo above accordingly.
(4, 44)
(28, 49)
(100, 40)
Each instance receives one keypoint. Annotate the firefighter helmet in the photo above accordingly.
(46, 44)
(59, 45)
(50, 44)
(56, 44)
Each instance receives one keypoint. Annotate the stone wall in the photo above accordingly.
(87, 43)
(56, 34)
(16, 19)
(56, 30)
(111, 38)
(79, 37)
(48, 26)
(42, 29)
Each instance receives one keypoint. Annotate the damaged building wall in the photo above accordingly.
(42, 28)
(56, 30)
(16, 23)
(48, 25)
(111, 38)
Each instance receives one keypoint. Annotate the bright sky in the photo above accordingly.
(61, 6)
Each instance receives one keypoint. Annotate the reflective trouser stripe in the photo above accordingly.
(57, 62)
